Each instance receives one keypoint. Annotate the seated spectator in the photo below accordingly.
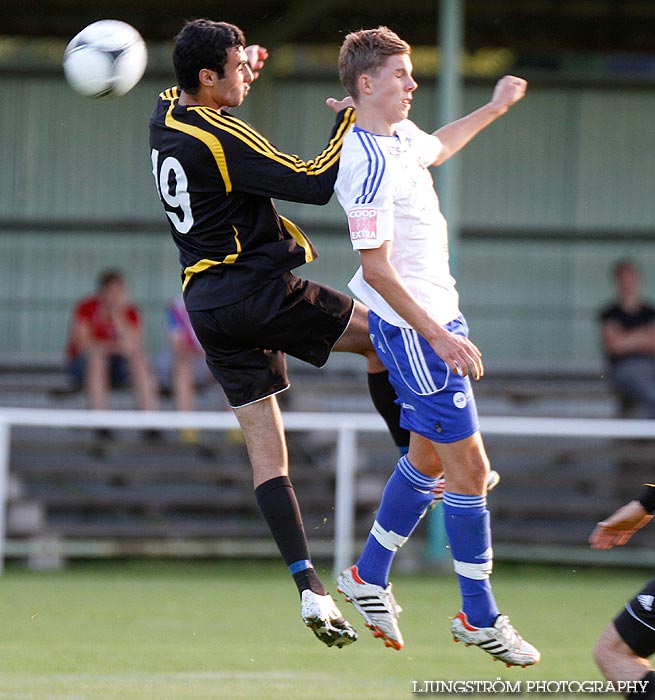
(105, 347)
(182, 370)
(628, 340)
(181, 367)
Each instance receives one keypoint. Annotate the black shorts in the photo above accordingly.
(246, 342)
(636, 623)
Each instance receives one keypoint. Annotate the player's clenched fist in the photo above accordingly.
(257, 56)
(508, 91)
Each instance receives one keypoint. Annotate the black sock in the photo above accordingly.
(277, 501)
(649, 693)
(308, 579)
(384, 399)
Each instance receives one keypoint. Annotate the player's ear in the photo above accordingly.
(364, 84)
(206, 77)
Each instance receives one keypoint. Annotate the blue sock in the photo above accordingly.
(406, 497)
(467, 526)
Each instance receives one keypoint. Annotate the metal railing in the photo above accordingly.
(347, 426)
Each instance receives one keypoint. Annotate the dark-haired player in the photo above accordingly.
(216, 176)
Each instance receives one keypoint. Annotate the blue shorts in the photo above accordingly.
(435, 402)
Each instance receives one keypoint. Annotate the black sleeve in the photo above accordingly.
(606, 314)
(647, 497)
(258, 167)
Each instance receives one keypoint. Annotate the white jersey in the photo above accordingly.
(387, 192)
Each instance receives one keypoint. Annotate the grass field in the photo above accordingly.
(231, 630)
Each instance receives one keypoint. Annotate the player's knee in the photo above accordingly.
(601, 650)
(429, 464)
(356, 340)
(609, 648)
(472, 478)
(374, 365)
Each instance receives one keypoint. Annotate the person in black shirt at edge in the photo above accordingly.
(623, 648)
(215, 176)
(628, 340)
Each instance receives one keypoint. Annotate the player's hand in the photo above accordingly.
(508, 91)
(257, 56)
(459, 353)
(338, 105)
(619, 527)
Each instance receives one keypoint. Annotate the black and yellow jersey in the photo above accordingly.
(215, 176)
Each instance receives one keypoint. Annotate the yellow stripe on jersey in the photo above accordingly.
(205, 263)
(218, 119)
(299, 237)
(258, 143)
(249, 136)
(208, 139)
(337, 139)
(346, 124)
(170, 94)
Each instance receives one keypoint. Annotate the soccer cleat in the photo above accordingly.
(492, 482)
(502, 641)
(375, 604)
(321, 615)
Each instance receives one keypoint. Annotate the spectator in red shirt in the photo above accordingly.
(105, 347)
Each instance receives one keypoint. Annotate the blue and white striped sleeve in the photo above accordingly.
(365, 191)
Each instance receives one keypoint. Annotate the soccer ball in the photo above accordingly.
(107, 58)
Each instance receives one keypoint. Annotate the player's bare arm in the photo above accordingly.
(619, 527)
(454, 136)
(459, 353)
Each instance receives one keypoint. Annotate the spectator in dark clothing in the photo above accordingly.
(628, 339)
